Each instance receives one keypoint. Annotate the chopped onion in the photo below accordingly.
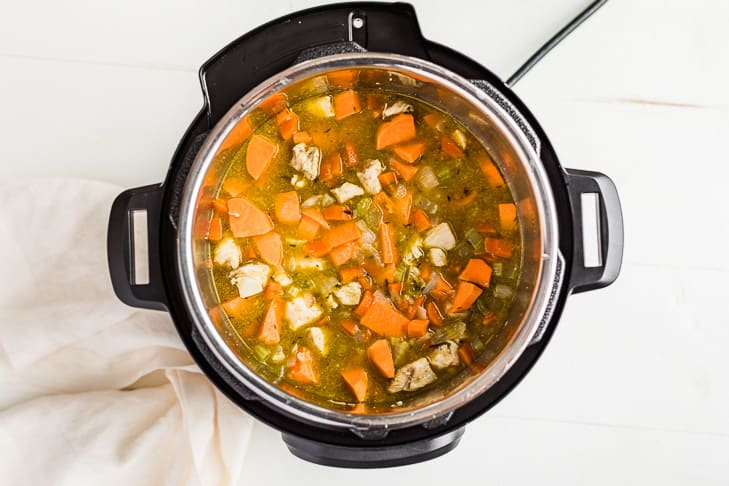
(426, 179)
(502, 291)
(312, 201)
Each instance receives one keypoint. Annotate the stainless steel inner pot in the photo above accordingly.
(509, 147)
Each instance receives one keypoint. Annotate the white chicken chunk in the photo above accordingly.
(440, 236)
(282, 278)
(250, 279)
(370, 177)
(301, 311)
(228, 253)
(349, 294)
(306, 159)
(347, 191)
(438, 257)
(444, 355)
(412, 376)
(318, 338)
(396, 108)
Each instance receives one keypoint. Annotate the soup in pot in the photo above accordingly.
(364, 247)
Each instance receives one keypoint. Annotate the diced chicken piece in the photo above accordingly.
(302, 310)
(347, 191)
(306, 263)
(318, 338)
(396, 108)
(460, 138)
(282, 278)
(228, 253)
(349, 294)
(440, 236)
(298, 181)
(413, 251)
(412, 376)
(370, 177)
(320, 106)
(306, 159)
(250, 278)
(438, 257)
(444, 355)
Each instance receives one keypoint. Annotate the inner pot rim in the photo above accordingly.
(531, 167)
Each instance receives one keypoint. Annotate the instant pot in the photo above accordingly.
(156, 262)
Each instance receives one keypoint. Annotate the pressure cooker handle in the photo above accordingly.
(133, 248)
(598, 230)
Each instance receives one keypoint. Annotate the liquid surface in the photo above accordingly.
(365, 248)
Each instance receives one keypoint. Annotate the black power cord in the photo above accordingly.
(552, 43)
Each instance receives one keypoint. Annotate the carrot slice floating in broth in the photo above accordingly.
(259, 154)
(400, 129)
(246, 219)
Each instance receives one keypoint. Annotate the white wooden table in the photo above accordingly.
(633, 388)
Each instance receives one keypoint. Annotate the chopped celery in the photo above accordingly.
(498, 269)
(463, 250)
(477, 345)
(261, 352)
(444, 174)
(399, 352)
(425, 203)
(363, 207)
(454, 331)
(474, 238)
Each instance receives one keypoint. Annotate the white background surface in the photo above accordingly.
(633, 388)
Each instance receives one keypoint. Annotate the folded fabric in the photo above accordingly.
(93, 391)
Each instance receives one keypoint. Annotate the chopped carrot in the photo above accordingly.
(421, 220)
(270, 247)
(351, 158)
(387, 178)
(259, 154)
(343, 253)
(488, 319)
(364, 304)
(235, 186)
(410, 152)
(406, 171)
(315, 214)
(465, 200)
(395, 288)
(465, 352)
(274, 103)
(288, 123)
(246, 219)
(466, 295)
(356, 378)
(380, 355)
(331, 167)
(507, 216)
(286, 207)
(401, 208)
(383, 319)
(442, 289)
(317, 248)
(308, 229)
(498, 247)
(238, 306)
(337, 212)
(435, 316)
(237, 134)
(434, 121)
(270, 331)
(346, 103)
(250, 252)
(477, 271)
(301, 137)
(344, 233)
(326, 140)
(450, 148)
(426, 269)
(323, 321)
(485, 228)
(215, 231)
(349, 326)
(303, 369)
(220, 206)
(350, 274)
(417, 328)
(366, 282)
(415, 306)
(387, 243)
(343, 78)
(273, 289)
(400, 128)
(490, 171)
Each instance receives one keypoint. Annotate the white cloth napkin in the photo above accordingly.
(93, 391)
